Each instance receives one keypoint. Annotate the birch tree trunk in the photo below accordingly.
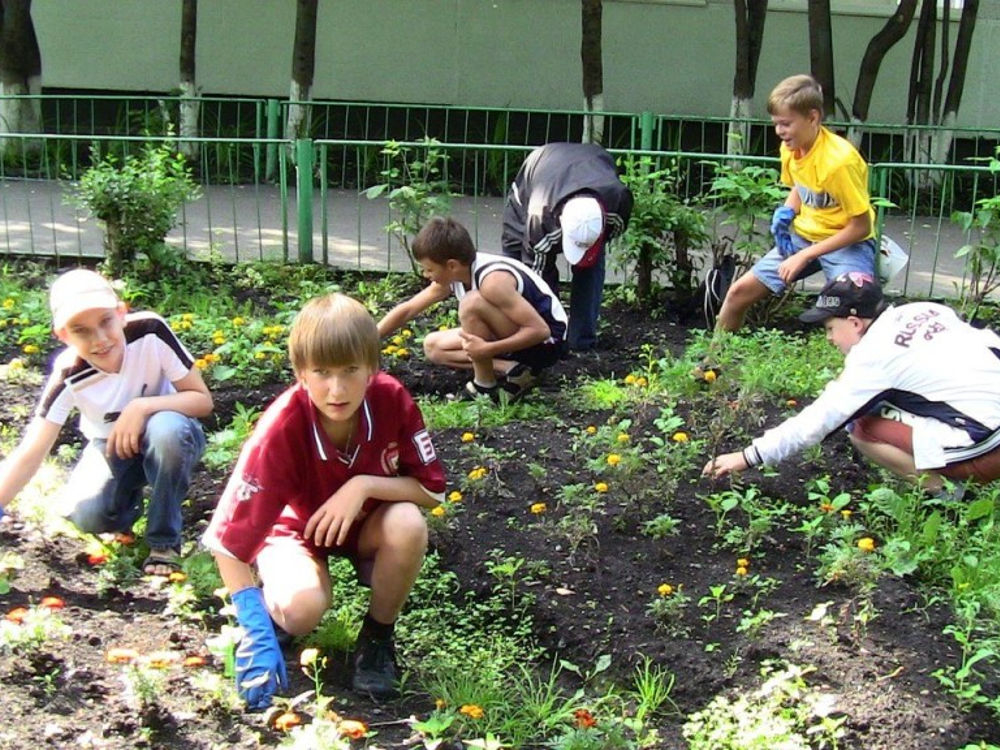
(189, 104)
(942, 138)
(749, 37)
(20, 74)
(303, 68)
(593, 71)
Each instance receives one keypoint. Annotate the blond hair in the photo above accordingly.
(800, 93)
(331, 331)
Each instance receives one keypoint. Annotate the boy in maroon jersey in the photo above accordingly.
(340, 464)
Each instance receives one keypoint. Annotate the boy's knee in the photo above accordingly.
(405, 526)
(432, 347)
(298, 612)
(89, 518)
(171, 436)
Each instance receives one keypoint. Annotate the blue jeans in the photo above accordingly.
(105, 494)
(857, 257)
(585, 294)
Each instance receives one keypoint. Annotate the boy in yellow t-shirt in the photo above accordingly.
(826, 222)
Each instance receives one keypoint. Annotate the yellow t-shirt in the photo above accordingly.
(832, 182)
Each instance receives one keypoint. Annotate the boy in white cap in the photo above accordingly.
(568, 197)
(918, 392)
(139, 397)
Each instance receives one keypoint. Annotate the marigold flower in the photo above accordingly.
(472, 711)
(584, 719)
(439, 703)
(403, 353)
(8, 303)
(97, 558)
(827, 507)
(846, 513)
(16, 615)
(866, 544)
(219, 340)
(286, 721)
(397, 340)
(641, 382)
(591, 430)
(791, 402)
(623, 437)
(163, 659)
(468, 437)
(15, 364)
(52, 602)
(630, 379)
(710, 376)
(201, 363)
(437, 511)
(30, 349)
(664, 589)
(390, 349)
(308, 656)
(239, 321)
(455, 496)
(406, 333)
(352, 728)
(601, 487)
(443, 327)
(743, 562)
(741, 571)
(538, 508)
(187, 317)
(194, 661)
(177, 576)
(477, 473)
(679, 437)
(260, 355)
(614, 459)
(121, 655)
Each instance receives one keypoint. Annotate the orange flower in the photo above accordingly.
(17, 615)
(163, 659)
(827, 507)
(584, 719)
(284, 722)
(472, 711)
(97, 558)
(52, 602)
(791, 403)
(121, 655)
(194, 661)
(352, 728)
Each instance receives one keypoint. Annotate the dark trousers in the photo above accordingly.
(585, 294)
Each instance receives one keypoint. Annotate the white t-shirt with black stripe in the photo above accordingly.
(154, 359)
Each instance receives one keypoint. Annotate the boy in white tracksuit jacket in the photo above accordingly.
(919, 392)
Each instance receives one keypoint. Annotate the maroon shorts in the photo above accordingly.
(283, 533)
(873, 429)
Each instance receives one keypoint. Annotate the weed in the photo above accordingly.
(668, 609)
(661, 527)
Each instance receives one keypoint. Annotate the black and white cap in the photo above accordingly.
(849, 294)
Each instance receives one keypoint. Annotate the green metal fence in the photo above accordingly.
(267, 198)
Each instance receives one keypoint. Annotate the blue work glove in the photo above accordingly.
(260, 667)
(781, 222)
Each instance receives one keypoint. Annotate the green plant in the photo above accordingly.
(668, 608)
(982, 258)
(10, 564)
(416, 186)
(662, 526)
(744, 197)
(223, 446)
(663, 232)
(137, 198)
(713, 601)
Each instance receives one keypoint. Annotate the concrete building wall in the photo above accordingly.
(666, 56)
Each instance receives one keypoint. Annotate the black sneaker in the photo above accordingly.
(518, 380)
(473, 390)
(375, 670)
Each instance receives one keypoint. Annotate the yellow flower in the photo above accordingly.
(15, 364)
(743, 562)
(601, 486)
(437, 511)
(443, 327)
(201, 363)
(455, 497)
(679, 437)
(614, 459)
(664, 589)
(238, 321)
(710, 376)
(219, 340)
(403, 353)
(352, 728)
(591, 430)
(439, 703)
(641, 382)
(406, 333)
(477, 473)
(471, 710)
(791, 403)
(212, 357)
(29, 349)
(866, 544)
(539, 508)
(260, 355)
(846, 513)
(186, 325)
(741, 571)
(188, 317)
(391, 349)
(308, 656)
(8, 303)
(630, 379)
(623, 437)
(397, 340)
(468, 437)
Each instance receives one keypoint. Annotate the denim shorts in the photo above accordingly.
(857, 257)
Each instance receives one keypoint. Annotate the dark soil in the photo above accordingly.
(591, 601)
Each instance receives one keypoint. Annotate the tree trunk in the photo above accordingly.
(821, 51)
(895, 29)
(20, 74)
(918, 104)
(593, 71)
(303, 67)
(749, 37)
(189, 92)
(941, 142)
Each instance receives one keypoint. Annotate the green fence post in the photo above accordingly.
(273, 128)
(304, 196)
(646, 131)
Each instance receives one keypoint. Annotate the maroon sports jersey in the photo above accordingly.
(289, 467)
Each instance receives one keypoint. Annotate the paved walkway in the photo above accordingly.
(246, 222)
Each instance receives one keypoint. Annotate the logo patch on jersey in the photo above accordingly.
(390, 459)
(246, 489)
(425, 448)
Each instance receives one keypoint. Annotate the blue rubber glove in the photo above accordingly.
(260, 667)
(781, 222)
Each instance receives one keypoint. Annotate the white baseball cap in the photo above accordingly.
(79, 290)
(582, 221)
